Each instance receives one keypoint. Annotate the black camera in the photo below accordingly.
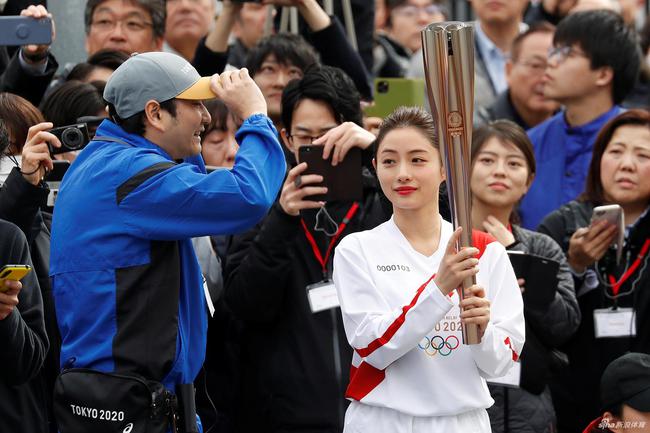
(72, 137)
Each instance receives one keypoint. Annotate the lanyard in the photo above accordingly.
(310, 238)
(616, 285)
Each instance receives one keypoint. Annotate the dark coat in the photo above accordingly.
(23, 391)
(588, 357)
(14, 79)
(294, 363)
(502, 108)
(529, 408)
(331, 43)
(19, 203)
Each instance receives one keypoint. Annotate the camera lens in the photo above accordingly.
(72, 138)
(382, 87)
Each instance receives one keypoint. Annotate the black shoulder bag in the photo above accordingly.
(87, 400)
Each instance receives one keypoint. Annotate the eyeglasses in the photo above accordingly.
(412, 11)
(303, 139)
(131, 24)
(536, 67)
(560, 54)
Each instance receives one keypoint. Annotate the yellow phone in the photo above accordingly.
(12, 272)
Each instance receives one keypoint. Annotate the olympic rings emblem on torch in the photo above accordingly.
(437, 344)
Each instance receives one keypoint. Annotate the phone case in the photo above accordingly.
(391, 93)
(12, 272)
(343, 181)
(17, 30)
(614, 215)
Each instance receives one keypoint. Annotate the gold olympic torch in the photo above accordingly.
(448, 50)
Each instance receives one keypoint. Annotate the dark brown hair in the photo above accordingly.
(593, 185)
(18, 115)
(219, 113)
(408, 117)
(507, 131)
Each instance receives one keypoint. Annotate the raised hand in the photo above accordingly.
(338, 141)
(239, 92)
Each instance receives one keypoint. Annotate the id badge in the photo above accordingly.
(614, 323)
(322, 296)
(511, 379)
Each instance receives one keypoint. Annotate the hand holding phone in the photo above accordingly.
(299, 185)
(613, 214)
(343, 181)
(10, 287)
(589, 244)
(13, 273)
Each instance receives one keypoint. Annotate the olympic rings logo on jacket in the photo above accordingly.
(437, 344)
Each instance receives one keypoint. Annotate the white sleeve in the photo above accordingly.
(379, 332)
(504, 336)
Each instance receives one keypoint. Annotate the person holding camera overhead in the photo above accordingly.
(24, 388)
(29, 71)
(129, 292)
(612, 294)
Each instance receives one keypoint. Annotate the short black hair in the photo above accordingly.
(607, 41)
(109, 59)
(156, 8)
(327, 84)
(135, 124)
(71, 100)
(288, 49)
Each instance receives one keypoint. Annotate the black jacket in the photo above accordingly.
(392, 60)
(529, 408)
(19, 204)
(502, 108)
(14, 79)
(23, 391)
(294, 363)
(588, 357)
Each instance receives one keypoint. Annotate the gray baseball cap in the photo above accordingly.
(154, 75)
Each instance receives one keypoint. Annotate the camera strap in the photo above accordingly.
(111, 139)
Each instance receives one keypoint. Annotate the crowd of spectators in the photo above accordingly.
(561, 126)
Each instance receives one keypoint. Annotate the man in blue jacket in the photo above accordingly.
(128, 288)
(591, 68)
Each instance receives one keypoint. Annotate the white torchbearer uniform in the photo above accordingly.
(410, 371)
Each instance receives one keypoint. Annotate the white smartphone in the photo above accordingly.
(614, 215)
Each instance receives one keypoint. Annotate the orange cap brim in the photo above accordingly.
(198, 91)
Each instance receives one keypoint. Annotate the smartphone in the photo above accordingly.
(614, 215)
(12, 272)
(18, 30)
(343, 181)
(391, 93)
